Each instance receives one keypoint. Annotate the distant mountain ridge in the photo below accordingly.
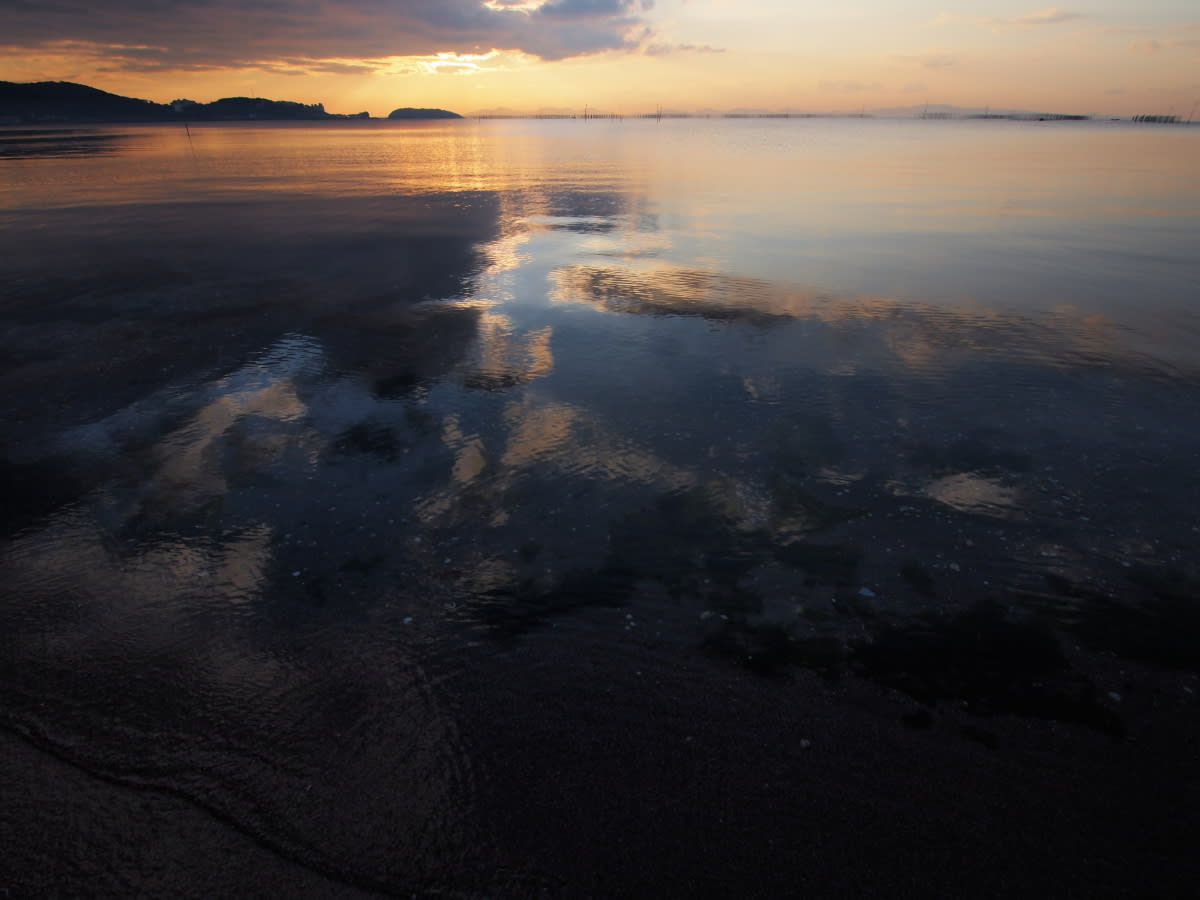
(65, 101)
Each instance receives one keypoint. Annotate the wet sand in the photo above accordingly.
(652, 777)
(521, 526)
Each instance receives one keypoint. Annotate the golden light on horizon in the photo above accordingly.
(624, 56)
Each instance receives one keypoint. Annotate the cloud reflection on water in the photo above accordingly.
(396, 424)
(921, 335)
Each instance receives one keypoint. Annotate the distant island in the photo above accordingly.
(65, 101)
(408, 112)
(48, 102)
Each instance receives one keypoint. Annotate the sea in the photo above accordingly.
(682, 507)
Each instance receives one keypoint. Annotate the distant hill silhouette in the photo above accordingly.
(65, 101)
(230, 109)
(407, 112)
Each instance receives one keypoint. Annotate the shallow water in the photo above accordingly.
(339, 457)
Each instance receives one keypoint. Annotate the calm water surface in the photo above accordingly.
(347, 465)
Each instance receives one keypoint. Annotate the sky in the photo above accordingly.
(1113, 57)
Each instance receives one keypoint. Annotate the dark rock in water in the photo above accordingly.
(408, 112)
(991, 665)
(921, 718)
(918, 577)
(1161, 627)
(769, 649)
(32, 491)
(989, 739)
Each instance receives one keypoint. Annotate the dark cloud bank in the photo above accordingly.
(174, 34)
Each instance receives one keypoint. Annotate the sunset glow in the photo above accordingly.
(623, 56)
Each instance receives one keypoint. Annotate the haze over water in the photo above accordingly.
(392, 492)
